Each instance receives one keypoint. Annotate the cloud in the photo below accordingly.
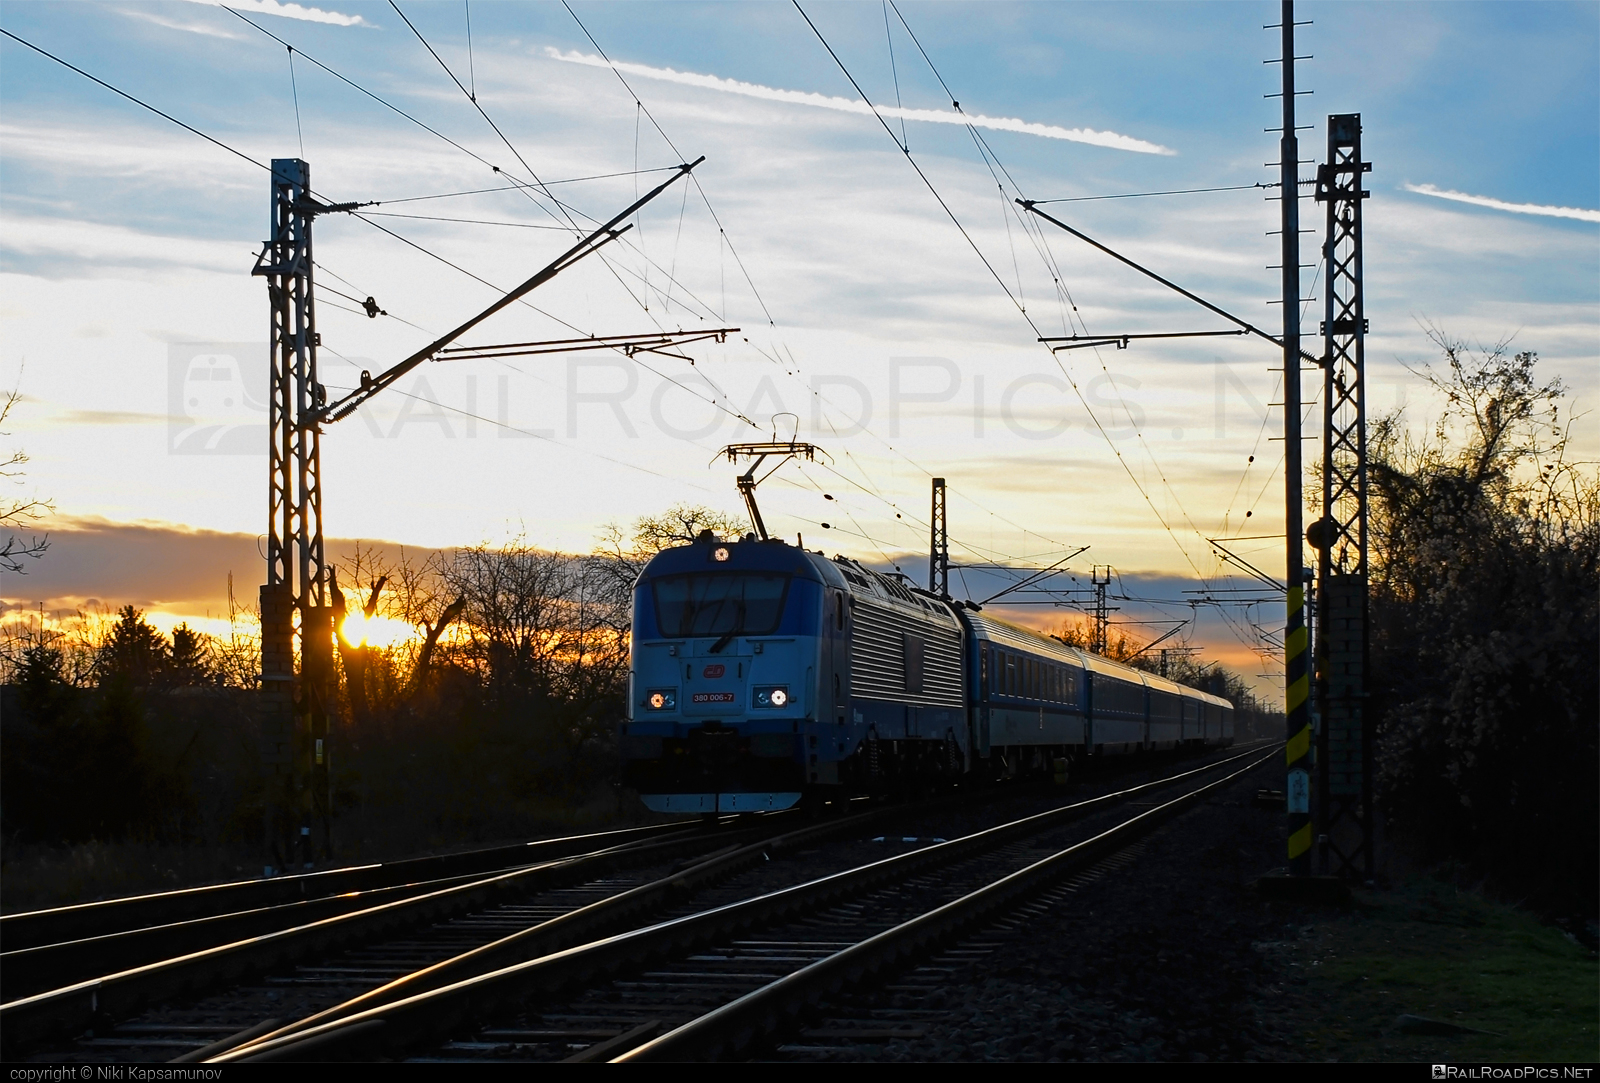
(53, 246)
(288, 11)
(109, 417)
(173, 24)
(149, 564)
(1113, 140)
(1580, 213)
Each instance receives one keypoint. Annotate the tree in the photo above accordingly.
(17, 513)
(623, 553)
(190, 657)
(134, 651)
(1485, 570)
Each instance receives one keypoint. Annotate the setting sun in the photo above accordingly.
(376, 631)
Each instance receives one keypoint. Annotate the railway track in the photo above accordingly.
(664, 987)
(64, 924)
(184, 959)
(433, 933)
(882, 947)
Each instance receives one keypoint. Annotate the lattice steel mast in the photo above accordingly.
(296, 559)
(1344, 753)
(295, 726)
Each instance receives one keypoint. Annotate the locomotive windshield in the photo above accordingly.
(720, 603)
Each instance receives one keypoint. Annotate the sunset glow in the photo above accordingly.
(376, 631)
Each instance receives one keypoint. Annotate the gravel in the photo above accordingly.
(1169, 957)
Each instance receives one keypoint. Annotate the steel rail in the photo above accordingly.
(578, 926)
(28, 971)
(34, 928)
(388, 1029)
(745, 1021)
(32, 1020)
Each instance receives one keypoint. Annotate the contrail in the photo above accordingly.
(288, 11)
(850, 105)
(1579, 213)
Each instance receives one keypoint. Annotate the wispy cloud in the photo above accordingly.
(174, 24)
(1114, 140)
(109, 417)
(289, 11)
(1580, 213)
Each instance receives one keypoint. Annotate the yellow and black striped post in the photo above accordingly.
(1297, 678)
(1297, 788)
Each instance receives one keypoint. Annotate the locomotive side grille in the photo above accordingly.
(878, 662)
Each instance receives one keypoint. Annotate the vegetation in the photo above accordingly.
(479, 694)
(1519, 991)
(1485, 540)
(18, 513)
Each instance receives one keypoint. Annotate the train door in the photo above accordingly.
(836, 646)
(1088, 711)
(978, 699)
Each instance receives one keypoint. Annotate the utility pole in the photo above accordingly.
(1297, 690)
(1344, 740)
(295, 557)
(297, 711)
(1102, 615)
(939, 544)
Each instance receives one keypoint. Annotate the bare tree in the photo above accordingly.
(623, 552)
(17, 513)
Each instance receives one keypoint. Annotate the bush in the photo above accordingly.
(1484, 588)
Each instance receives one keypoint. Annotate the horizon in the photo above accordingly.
(865, 313)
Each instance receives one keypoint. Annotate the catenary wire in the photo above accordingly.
(744, 271)
(1065, 371)
(136, 101)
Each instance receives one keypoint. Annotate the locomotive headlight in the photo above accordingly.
(661, 699)
(770, 696)
(719, 554)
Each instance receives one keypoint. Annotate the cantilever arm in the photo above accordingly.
(1249, 328)
(371, 385)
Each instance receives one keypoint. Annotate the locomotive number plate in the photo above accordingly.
(712, 697)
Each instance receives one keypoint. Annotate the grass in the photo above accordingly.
(1429, 949)
(40, 876)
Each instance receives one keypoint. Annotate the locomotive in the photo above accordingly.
(763, 674)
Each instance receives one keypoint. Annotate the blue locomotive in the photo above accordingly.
(762, 672)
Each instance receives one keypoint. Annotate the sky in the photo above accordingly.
(888, 294)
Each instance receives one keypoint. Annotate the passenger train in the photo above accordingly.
(763, 673)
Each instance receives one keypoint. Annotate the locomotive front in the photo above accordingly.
(723, 688)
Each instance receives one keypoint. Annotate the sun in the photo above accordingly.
(377, 631)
